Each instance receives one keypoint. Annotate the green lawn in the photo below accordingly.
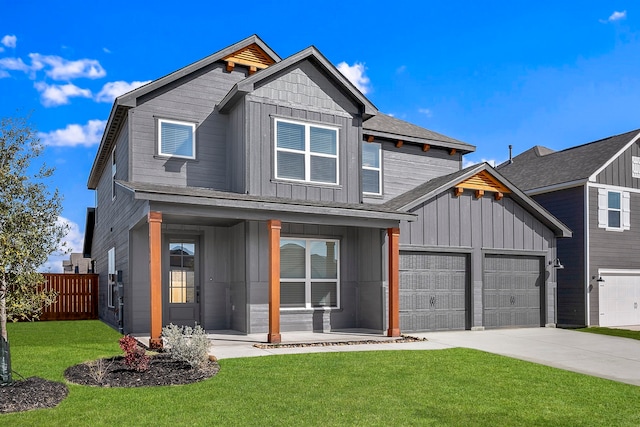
(624, 333)
(387, 388)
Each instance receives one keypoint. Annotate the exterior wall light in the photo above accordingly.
(556, 264)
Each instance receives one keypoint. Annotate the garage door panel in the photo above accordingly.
(433, 291)
(512, 291)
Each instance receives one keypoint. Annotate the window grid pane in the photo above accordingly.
(323, 169)
(182, 273)
(371, 181)
(323, 294)
(291, 136)
(290, 165)
(322, 140)
(614, 200)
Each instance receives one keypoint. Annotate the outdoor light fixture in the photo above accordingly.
(599, 279)
(556, 264)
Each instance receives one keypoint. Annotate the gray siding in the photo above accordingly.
(321, 102)
(407, 167)
(611, 249)
(568, 206)
(618, 173)
(477, 226)
(191, 99)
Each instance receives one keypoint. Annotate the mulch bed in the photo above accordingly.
(36, 393)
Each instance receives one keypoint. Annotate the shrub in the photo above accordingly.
(134, 356)
(187, 344)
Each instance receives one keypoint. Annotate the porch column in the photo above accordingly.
(274, 281)
(394, 282)
(155, 277)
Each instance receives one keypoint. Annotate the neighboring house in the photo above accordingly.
(76, 264)
(595, 190)
(260, 194)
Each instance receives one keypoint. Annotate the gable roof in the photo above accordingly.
(247, 85)
(385, 126)
(420, 194)
(540, 167)
(122, 103)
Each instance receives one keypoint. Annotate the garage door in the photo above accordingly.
(512, 291)
(619, 299)
(433, 291)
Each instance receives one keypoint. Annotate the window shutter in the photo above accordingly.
(603, 204)
(626, 210)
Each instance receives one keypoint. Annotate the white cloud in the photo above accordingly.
(4, 74)
(64, 69)
(75, 134)
(54, 95)
(112, 90)
(356, 75)
(427, 112)
(493, 162)
(14, 64)
(72, 242)
(401, 69)
(105, 50)
(615, 16)
(9, 40)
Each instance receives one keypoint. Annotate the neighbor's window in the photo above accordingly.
(112, 285)
(176, 139)
(306, 152)
(309, 273)
(371, 168)
(635, 165)
(614, 210)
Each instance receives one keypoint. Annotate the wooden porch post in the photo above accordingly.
(394, 282)
(274, 281)
(155, 277)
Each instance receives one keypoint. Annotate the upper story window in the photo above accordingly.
(635, 166)
(614, 210)
(306, 152)
(176, 139)
(371, 168)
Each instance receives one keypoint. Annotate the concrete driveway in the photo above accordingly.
(602, 356)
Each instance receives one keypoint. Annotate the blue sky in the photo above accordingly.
(491, 74)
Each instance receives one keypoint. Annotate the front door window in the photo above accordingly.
(182, 286)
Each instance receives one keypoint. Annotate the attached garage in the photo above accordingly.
(433, 291)
(619, 295)
(513, 291)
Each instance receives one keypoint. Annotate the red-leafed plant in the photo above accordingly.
(134, 356)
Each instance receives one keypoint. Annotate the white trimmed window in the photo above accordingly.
(306, 152)
(371, 168)
(635, 165)
(112, 285)
(176, 139)
(614, 209)
(309, 273)
(113, 174)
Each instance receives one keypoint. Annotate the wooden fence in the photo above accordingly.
(77, 297)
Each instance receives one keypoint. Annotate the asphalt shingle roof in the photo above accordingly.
(541, 167)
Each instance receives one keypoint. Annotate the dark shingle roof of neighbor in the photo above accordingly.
(541, 167)
(390, 126)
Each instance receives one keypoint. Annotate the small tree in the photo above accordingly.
(29, 231)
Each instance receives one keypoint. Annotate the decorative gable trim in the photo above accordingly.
(482, 182)
(251, 56)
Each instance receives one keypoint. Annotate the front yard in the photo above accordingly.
(443, 387)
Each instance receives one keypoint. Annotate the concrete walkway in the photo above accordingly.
(602, 356)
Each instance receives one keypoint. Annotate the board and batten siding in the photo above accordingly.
(611, 249)
(479, 226)
(568, 206)
(300, 93)
(190, 99)
(407, 167)
(619, 172)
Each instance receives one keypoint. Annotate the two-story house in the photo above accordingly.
(595, 189)
(260, 194)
